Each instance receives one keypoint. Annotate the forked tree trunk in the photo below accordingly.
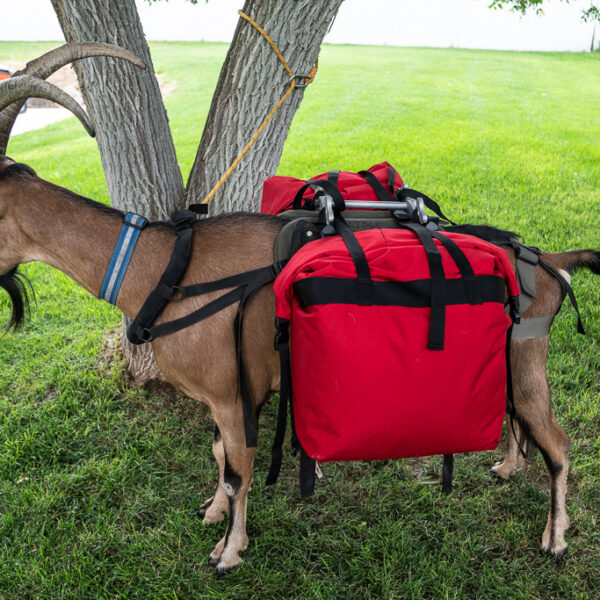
(133, 134)
(252, 81)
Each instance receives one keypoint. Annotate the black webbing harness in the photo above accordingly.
(142, 328)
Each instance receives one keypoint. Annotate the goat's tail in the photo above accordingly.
(576, 259)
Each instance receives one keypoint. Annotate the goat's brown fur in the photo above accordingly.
(40, 221)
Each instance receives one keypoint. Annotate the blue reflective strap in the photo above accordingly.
(132, 225)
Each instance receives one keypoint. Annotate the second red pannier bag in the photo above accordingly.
(393, 355)
(379, 182)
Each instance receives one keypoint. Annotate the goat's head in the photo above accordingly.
(16, 180)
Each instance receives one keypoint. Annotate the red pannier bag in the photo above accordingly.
(365, 381)
(380, 182)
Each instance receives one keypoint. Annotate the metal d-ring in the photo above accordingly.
(300, 84)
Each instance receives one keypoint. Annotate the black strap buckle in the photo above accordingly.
(169, 293)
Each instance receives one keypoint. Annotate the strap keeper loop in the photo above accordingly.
(514, 309)
(282, 332)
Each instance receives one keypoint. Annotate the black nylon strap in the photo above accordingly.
(155, 303)
(249, 417)
(333, 177)
(313, 291)
(227, 282)
(567, 290)
(307, 474)
(437, 323)
(329, 189)
(447, 472)
(429, 203)
(202, 313)
(463, 265)
(392, 179)
(510, 400)
(363, 273)
(257, 277)
(285, 393)
(376, 186)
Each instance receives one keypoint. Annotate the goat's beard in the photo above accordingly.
(20, 292)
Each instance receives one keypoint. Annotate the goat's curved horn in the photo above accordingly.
(50, 62)
(25, 86)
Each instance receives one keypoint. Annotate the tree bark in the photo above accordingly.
(125, 105)
(251, 83)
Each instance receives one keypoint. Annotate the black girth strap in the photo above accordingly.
(249, 283)
(282, 344)
(307, 464)
(261, 279)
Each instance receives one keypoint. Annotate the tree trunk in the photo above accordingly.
(132, 128)
(251, 83)
(126, 107)
(135, 142)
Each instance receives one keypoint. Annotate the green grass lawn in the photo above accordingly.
(100, 481)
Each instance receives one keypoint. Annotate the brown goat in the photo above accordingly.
(40, 221)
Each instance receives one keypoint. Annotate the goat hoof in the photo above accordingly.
(213, 561)
(500, 472)
(202, 510)
(558, 555)
(227, 566)
(220, 572)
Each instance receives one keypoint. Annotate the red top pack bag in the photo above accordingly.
(380, 182)
(397, 344)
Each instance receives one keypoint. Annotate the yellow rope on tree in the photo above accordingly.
(293, 84)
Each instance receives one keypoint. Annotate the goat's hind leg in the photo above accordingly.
(214, 509)
(534, 413)
(237, 477)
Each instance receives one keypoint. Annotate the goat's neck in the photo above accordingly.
(79, 241)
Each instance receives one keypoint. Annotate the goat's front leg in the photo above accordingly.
(514, 460)
(214, 509)
(237, 477)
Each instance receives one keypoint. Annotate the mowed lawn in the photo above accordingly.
(100, 481)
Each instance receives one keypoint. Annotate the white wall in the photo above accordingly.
(459, 23)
